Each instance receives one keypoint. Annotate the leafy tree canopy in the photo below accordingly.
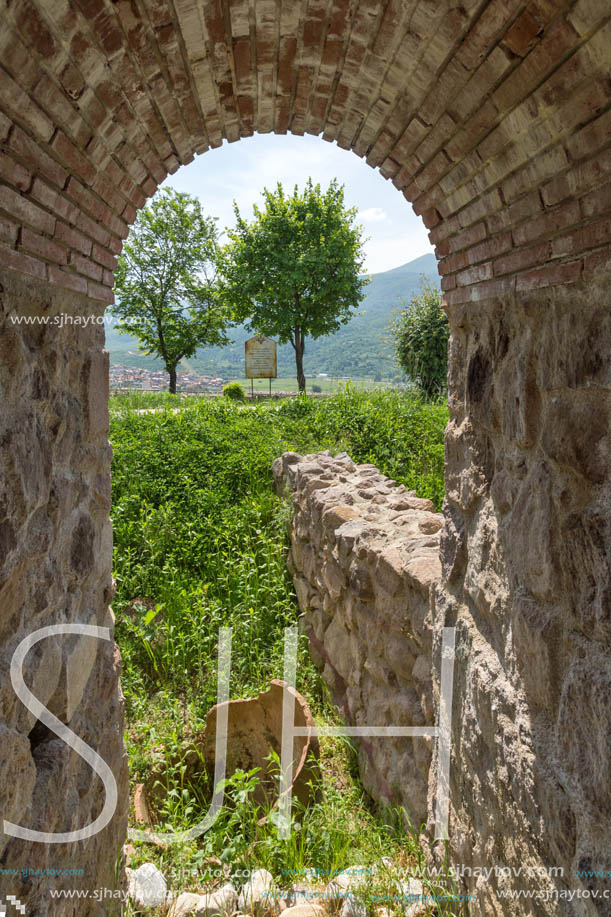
(421, 334)
(166, 280)
(295, 269)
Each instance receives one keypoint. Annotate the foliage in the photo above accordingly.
(234, 391)
(166, 280)
(295, 269)
(200, 542)
(421, 334)
(357, 350)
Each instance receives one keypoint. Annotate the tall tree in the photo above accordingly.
(167, 294)
(295, 269)
(421, 334)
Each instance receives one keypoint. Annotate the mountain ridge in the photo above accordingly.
(359, 348)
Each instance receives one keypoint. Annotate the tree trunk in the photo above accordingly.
(172, 388)
(299, 348)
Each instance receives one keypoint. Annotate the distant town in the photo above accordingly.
(125, 377)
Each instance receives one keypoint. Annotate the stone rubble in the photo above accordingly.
(147, 890)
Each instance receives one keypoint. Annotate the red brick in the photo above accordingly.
(97, 291)
(20, 106)
(115, 245)
(37, 159)
(85, 266)
(35, 30)
(558, 41)
(57, 203)
(8, 230)
(589, 236)
(61, 110)
(448, 283)
(474, 275)
(73, 238)
(72, 158)
(586, 15)
(448, 227)
(104, 257)
(597, 202)
(481, 208)
(500, 287)
(597, 262)
(469, 237)
(14, 173)
(547, 223)
(580, 178)
(453, 263)
(5, 126)
(41, 245)
(483, 35)
(458, 296)
(129, 214)
(109, 194)
(149, 187)
(490, 248)
(590, 138)
(23, 209)
(522, 33)
(534, 173)
(98, 210)
(519, 260)
(96, 232)
(515, 213)
(18, 261)
(553, 275)
(67, 280)
(108, 278)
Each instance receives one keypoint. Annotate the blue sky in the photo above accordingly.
(241, 170)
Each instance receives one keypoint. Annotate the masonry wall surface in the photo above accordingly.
(55, 563)
(526, 560)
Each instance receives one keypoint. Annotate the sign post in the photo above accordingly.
(260, 360)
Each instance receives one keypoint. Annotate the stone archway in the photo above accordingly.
(492, 118)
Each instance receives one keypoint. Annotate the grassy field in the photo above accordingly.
(200, 542)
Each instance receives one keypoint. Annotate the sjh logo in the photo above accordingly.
(441, 732)
(15, 902)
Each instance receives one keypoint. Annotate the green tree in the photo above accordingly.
(166, 281)
(421, 334)
(295, 269)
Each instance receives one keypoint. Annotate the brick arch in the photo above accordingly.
(488, 119)
(492, 118)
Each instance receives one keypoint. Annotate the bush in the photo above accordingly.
(234, 391)
(421, 334)
(316, 389)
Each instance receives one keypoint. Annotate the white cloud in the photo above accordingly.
(241, 170)
(372, 215)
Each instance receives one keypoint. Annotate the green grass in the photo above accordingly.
(200, 543)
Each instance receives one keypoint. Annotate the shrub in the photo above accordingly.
(421, 333)
(316, 389)
(234, 391)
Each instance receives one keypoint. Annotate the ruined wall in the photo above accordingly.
(364, 554)
(55, 563)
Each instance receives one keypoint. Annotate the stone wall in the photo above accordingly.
(364, 555)
(526, 560)
(55, 567)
